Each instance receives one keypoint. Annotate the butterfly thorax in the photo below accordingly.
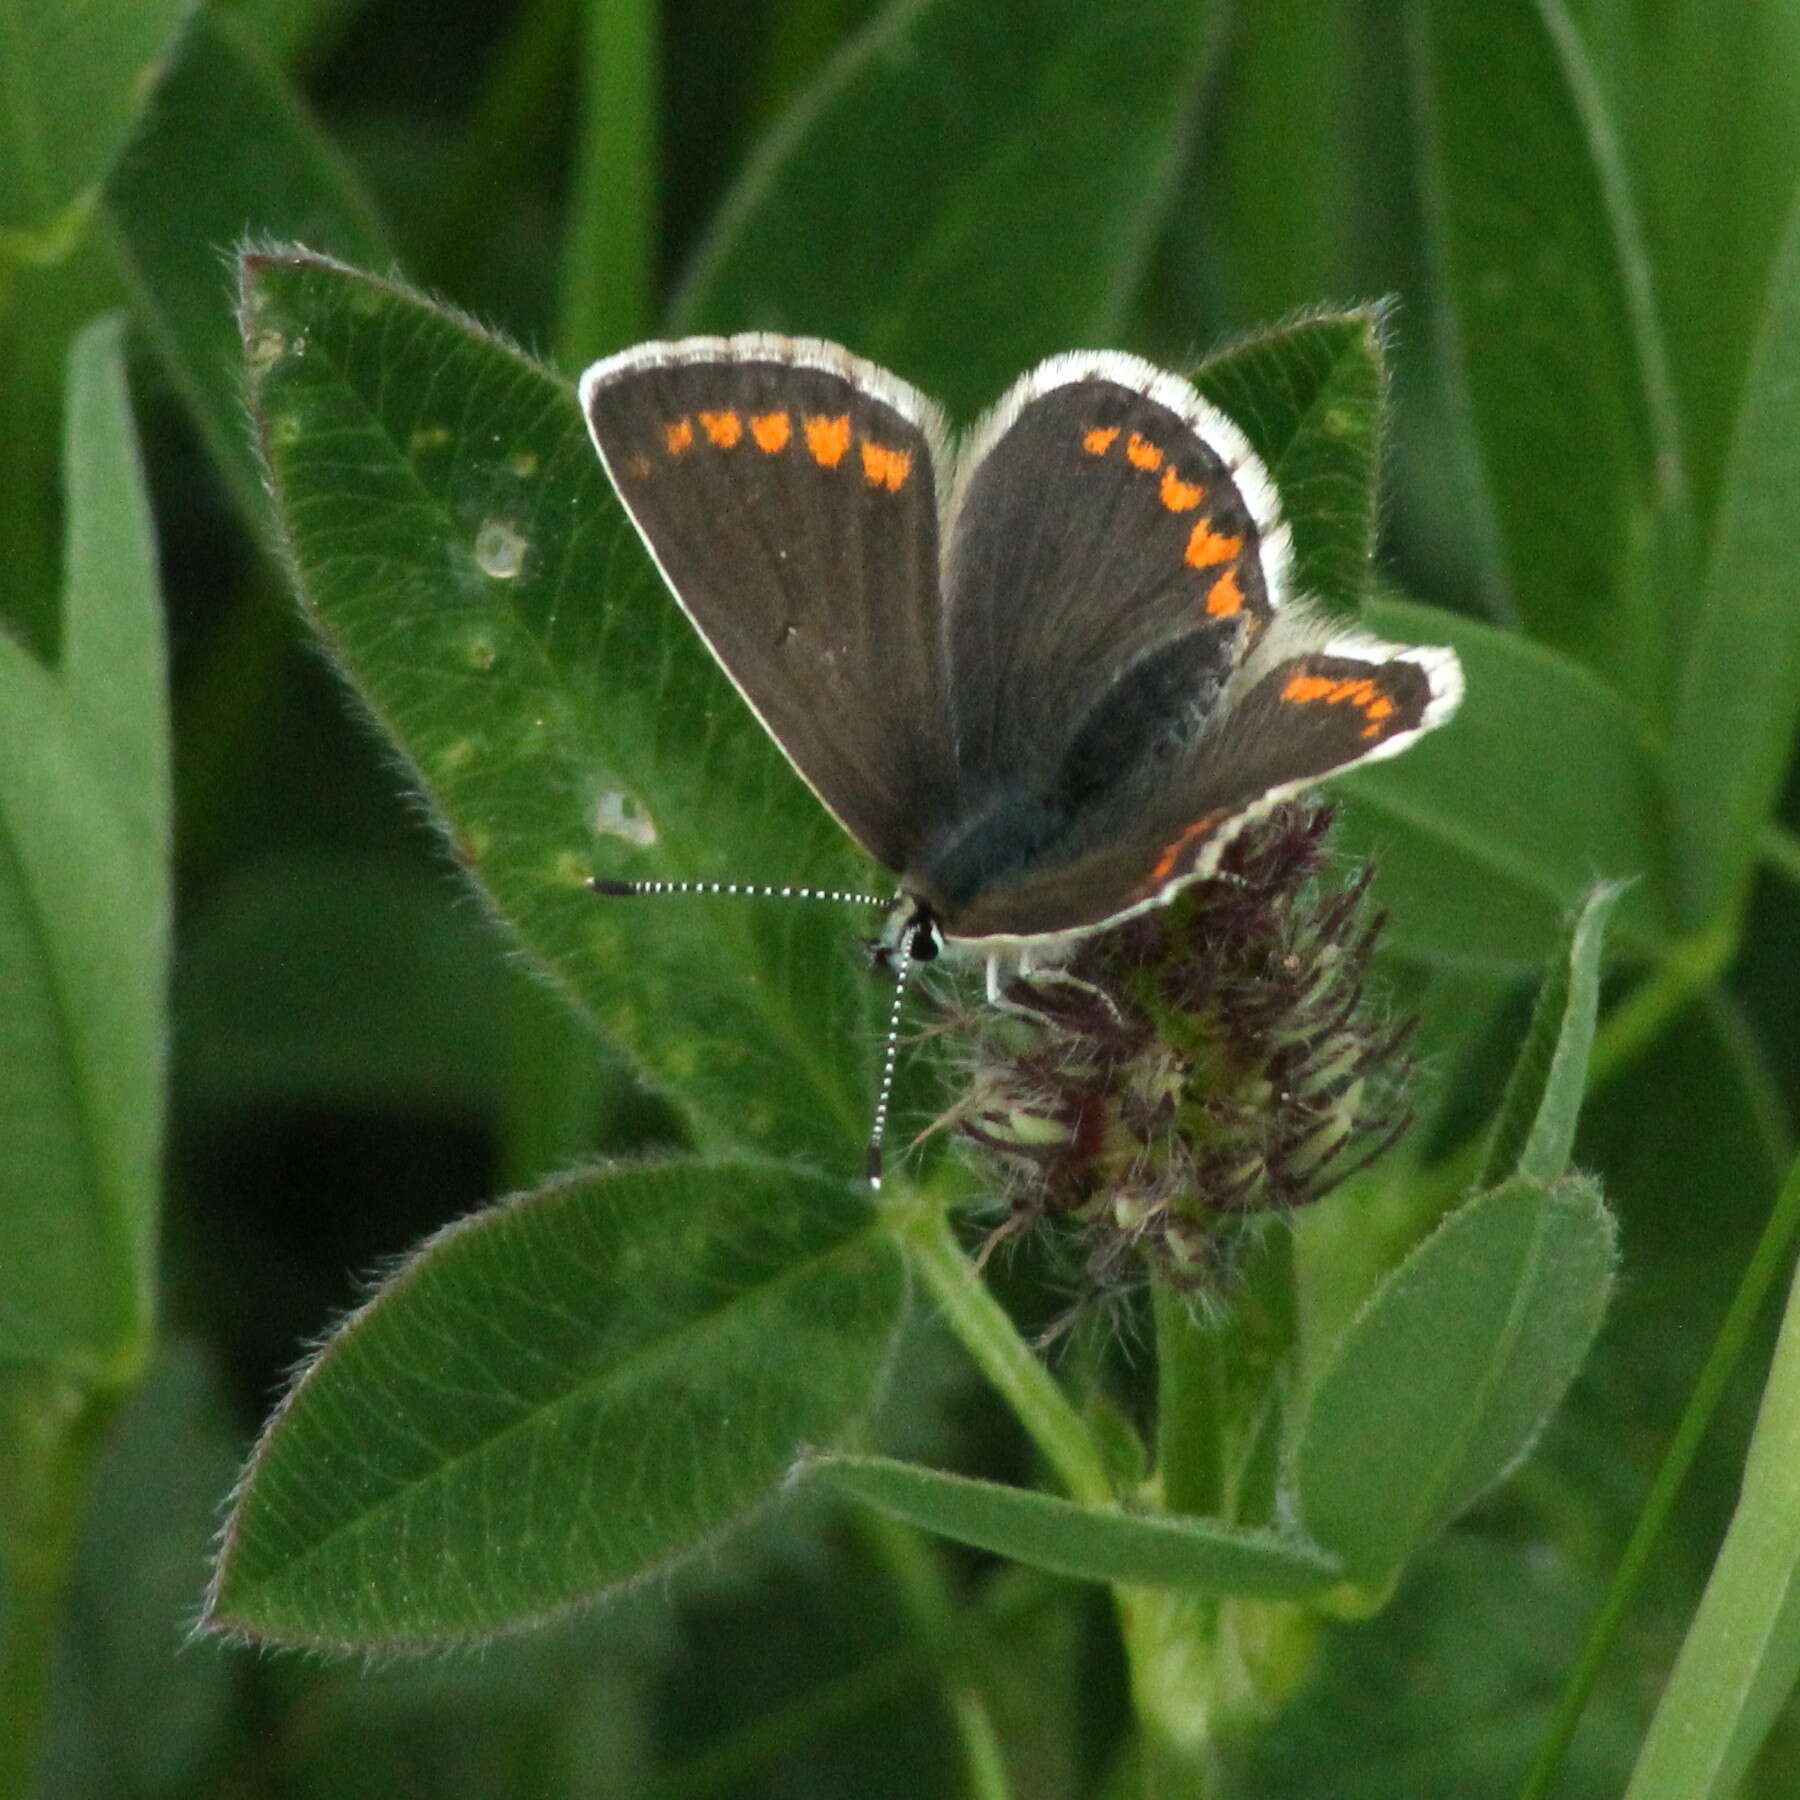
(1015, 829)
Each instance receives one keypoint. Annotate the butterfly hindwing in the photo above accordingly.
(1310, 715)
(788, 493)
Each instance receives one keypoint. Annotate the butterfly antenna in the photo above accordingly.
(890, 1055)
(742, 890)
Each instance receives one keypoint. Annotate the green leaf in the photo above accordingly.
(1447, 1374)
(1535, 1129)
(45, 310)
(114, 666)
(295, 33)
(459, 550)
(967, 189)
(1492, 829)
(1310, 398)
(565, 1393)
(229, 150)
(1741, 1657)
(1718, 186)
(1443, 1694)
(146, 1540)
(1701, 1230)
(84, 919)
(1277, 216)
(1141, 1549)
(1740, 694)
(80, 1040)
(76, 77)
(1548, 318)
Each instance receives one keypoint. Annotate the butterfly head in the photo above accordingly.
(911, 930)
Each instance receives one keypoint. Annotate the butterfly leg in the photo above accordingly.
(1062, 978)
(993, 983)
(1003, 969)
(1029, 973)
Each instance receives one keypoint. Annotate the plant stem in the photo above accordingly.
(515, 121)
(50, 1428)
(1171, 1653)
(918, 1578)
(1766, 1263)
(552, 1084)
(1189, 1408)
(730, 1767)
(1688, 970)
(1781, 851)
(609, 257)
(1169, 1639)
(983, 1328)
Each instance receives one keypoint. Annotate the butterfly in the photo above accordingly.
(1041, 675)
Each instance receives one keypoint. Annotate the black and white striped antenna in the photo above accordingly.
(742, 890)
(901, 954)
(890, 1054)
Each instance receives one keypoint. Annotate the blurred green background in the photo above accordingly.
(956, 189)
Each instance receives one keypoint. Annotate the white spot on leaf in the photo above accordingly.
(263, 348)
(499, 550)
(622, 815)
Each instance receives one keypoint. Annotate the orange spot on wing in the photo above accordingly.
(828, 439)
(724, 428)
(1165, 864)
(770, 430)
(1205, 547)
(1100, 440)
(678, 434)
(637, 464)
(1178, 495)
(1141, 453)
(1359, 691)
(1225, 598)
(885, 468)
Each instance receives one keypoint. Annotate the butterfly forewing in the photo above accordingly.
(788, 495)
(1100, 517)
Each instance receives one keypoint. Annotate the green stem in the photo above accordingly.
(1781, 851)
(983, 1328)
(918, 1578)
(1190, 1421)
(1170, 1640)
(553, 1081)
(609, 257)
(732, 1766)
(515, 122)
(50, 1429)
(1171, 1654)
(1688, 970)
(226, 699)
(1767, 1262)
(800, 41)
